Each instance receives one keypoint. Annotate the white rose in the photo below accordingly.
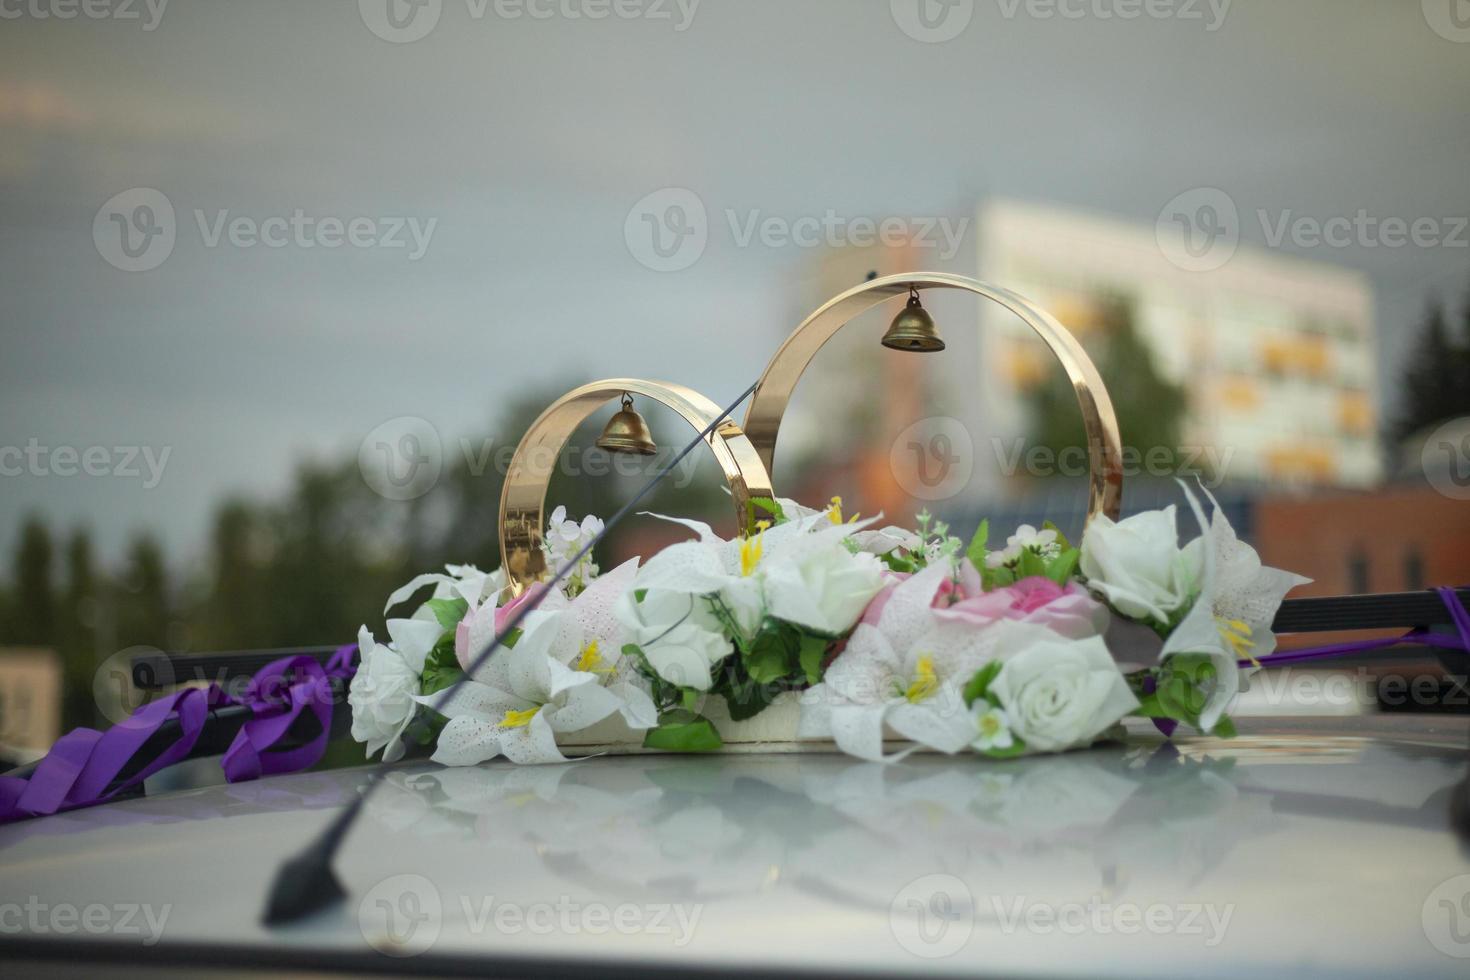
(381, 697)
(678, 634)
(1058, 693)
(1138, 566)
(824, 590)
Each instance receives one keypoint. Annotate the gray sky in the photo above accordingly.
(528, 140)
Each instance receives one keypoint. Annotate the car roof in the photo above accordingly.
(1307, 847)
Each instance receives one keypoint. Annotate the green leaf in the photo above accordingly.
(1030, 565)
(1061, 568)
(812, 651)
(979, 685)
(1224, 728)
(768, 505)
(682, 730)
(1017, 747)
(976, 551)
(448, 611)
(689, 698)
(744, 698)
(773, 655)
(441, 667)
(1061, 538)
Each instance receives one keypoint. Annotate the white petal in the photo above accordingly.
(414, 638)
(532, 744)
(467, 741)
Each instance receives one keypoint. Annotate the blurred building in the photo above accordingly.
(1277, 354)
(30, 702)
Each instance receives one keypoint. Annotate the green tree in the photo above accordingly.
(1435, 383)
(1150, 408)
(32, 613)
(80, 608)
(144, 608)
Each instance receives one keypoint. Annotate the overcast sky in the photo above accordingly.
(518, 148)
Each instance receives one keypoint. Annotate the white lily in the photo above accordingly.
(1231, 616)
(516, 703)
(906, 673)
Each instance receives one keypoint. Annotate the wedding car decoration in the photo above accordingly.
(1000, 648)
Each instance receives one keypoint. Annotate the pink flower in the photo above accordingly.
(1067, 610)
(481, 625)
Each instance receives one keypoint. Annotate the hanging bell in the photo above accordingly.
(913, 329)
(626, 432)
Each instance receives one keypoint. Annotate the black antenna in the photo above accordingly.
(306, 883)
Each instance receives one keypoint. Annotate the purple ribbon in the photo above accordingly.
(83, 765)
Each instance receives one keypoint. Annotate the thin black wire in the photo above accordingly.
(331, 838)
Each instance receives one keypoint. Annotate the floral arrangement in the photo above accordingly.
(872, 635)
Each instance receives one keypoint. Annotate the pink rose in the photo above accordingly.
(1067, 610)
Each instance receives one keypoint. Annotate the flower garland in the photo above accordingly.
(877, 633)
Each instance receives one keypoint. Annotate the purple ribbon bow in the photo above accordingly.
(82, 766)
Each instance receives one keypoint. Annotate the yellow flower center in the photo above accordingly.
(925, 681)
(989, 724)
(591, 662)
(1238, 635)
(750, 549)
(834, 512)
(518, 719)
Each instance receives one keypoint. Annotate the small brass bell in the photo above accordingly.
(913, 329)
(626, 432)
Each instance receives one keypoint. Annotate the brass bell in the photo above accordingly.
(626, 432)
(913, 329)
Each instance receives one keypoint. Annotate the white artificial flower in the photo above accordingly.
(382, 692)
(680, 637)
(1245, 594)
(734, 572)
(564, 539)
(1044, 542)
(874, 542)
(1231, 619)
(903, 674)
(819, 585)
(516, 703)
(1058, 693)
(992, 727)
(1136, 564)
(462, 582)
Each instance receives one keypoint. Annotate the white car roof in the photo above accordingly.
(1308, 848)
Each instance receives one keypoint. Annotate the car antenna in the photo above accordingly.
(306, 883)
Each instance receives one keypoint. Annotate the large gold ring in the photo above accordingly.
(773, 392)
(523, 498)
